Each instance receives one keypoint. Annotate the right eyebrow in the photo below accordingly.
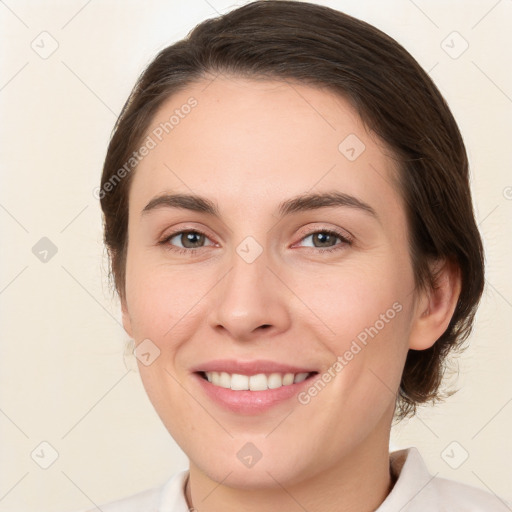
(183, 201)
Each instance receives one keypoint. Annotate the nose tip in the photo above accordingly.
(241, 327)
(249, 302)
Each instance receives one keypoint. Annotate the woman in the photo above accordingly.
(289, 220)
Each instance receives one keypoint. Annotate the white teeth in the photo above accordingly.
(300, 377)
(221, 379)
(239, 382)
(224, 380)
(288, 379)
(259, 382)
(274, 381)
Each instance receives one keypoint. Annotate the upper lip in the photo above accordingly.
(249, 367)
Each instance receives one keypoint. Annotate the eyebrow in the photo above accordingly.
(300, 203)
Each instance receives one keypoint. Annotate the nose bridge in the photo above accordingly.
(249, 296)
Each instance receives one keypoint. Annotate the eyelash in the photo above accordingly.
(190, 252)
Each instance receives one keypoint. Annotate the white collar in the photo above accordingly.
(412, 481)
(415, 489)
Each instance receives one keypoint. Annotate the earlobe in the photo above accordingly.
(435, 308)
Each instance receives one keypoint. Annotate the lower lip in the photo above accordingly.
(251, 402)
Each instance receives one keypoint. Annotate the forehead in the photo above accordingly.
(254, 143)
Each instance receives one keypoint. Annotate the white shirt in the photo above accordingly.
(415, 490)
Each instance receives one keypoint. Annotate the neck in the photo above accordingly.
(360, 482)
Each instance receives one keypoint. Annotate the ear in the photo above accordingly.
(434, 308)
(127, 322)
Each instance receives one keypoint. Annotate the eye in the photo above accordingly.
(190, 240)
(324, 240)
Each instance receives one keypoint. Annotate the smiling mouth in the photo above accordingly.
(258, 382)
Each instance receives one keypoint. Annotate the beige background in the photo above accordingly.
(63, 377)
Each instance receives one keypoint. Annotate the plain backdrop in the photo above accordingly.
(67, 68)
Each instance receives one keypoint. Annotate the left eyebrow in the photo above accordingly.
(300, 203)
(312, 201)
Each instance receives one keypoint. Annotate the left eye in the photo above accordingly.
(326, 239)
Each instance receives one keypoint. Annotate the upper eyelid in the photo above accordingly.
(173, 232)
(344, 233)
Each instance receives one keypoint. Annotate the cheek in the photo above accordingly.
(363, 300)
(362, 316)
(161, 300)
(164, 306)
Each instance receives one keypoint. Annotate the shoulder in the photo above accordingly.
(417, 490)
(456, 496)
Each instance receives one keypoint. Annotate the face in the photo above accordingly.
(319, 287)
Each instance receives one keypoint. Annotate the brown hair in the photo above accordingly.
(316, 45)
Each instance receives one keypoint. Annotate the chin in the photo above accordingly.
(270, 471)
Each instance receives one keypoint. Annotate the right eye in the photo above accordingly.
(186, 238)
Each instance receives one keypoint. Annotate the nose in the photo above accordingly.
(250, 300)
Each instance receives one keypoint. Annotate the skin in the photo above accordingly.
(247, 146)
